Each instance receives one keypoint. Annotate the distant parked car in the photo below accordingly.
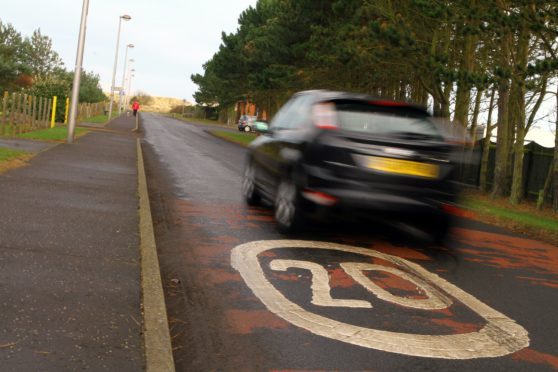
(246, 123)
(344, 154)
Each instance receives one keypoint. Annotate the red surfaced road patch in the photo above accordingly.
(402, 252)
(539, 281)
(389, 281)
(504, 251)
(217, 276)
(245, 321)
(457, 327)
(533, 356)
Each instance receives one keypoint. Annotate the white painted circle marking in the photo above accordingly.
(500, 336)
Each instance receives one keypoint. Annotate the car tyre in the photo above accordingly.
(439, 228)
(287, 208)
(249, 190)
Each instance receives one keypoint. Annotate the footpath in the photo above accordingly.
(73, 227)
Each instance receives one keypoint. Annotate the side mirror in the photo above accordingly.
(261, 127)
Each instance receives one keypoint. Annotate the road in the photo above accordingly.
(241, 297)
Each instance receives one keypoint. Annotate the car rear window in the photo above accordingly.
(385, 120)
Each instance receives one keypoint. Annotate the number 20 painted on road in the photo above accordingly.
(500, 336)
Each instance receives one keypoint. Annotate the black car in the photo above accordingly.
(348, 154)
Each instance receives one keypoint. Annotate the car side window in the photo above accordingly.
(280, 120)
(301, 113)
(294, 115)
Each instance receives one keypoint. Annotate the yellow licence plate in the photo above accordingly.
(407, 167)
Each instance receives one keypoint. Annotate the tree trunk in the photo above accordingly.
(543, 194)
(502, 150)
(518, 108)
(476, 110)
(463, 95)
(555, 194)
(445, 103)
(486, 144)
(501, 169)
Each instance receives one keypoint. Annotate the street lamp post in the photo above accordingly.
(129, 85)
(126, 18)
(120, 100)
(77, 71)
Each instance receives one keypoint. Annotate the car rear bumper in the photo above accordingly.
(360, 197)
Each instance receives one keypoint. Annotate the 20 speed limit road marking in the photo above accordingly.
(500, 336)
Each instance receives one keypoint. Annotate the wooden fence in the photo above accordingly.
(87, 110)
(21, 113)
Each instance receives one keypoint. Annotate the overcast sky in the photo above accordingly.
(172, 38)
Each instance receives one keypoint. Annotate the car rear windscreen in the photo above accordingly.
(385, 120)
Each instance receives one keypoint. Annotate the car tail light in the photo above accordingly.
(320, 197)
(324, 115)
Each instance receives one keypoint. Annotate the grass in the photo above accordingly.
(11, 159)
(101, 119)
(52, 134)
(523, 218)
(240, 138)
(527, 218)
(8, 154)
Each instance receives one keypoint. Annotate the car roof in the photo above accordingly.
(328, 95)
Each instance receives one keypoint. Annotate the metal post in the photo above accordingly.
(120, 98)
(130, 88)
(77, 72)
(114, 69)
(4, 110)
(127, 18)
(34, 116)
(66, 111)
(53, 117)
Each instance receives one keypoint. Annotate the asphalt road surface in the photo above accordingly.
(374, 297)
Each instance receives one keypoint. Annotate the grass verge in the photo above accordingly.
(57, 134)
(524, 218)
(101, 119)
(240, 138)
(11, 159)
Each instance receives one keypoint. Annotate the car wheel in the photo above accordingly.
(287, 211)
(438, 228)
(249, 190)
(247, 129)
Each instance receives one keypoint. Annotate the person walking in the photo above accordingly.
(135, 107)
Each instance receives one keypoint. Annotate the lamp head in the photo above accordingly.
(126, 17)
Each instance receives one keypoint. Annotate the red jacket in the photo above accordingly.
(135, 106)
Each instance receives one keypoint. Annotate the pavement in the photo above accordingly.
(74, 227)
